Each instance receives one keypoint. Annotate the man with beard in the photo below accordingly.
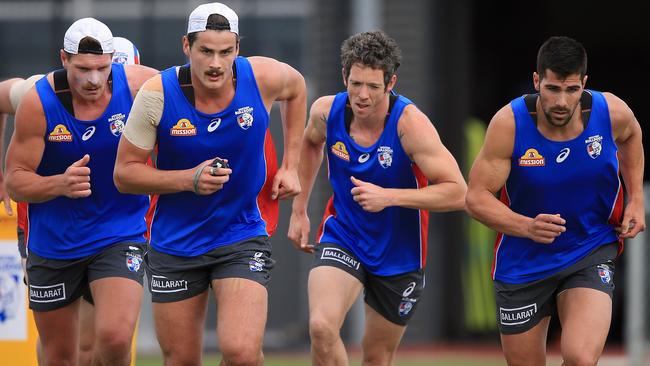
(556, 157)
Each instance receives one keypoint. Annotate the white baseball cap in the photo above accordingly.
(88, 27)
(126, 52)
(199, 17)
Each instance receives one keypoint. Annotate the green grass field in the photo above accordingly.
(446, 358)
(303, 360)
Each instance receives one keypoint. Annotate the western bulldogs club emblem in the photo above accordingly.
(244, 117)
(406, 306)
(133, 261)
(256, 264)
(385, 156)
(594, 146)
(605, 273)
(116, 123)
(120, 57)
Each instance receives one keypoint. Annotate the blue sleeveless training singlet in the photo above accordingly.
(66, 228)
(184, 223)
(394, 240)
(577, 179)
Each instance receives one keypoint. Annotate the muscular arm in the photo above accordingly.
(133, 175)
(422, 143)
(311, 155)
(25, 153)
(311, 152)
(137, 75)
(489, 173)
(11, 91)
(628, 137)
(282, 83)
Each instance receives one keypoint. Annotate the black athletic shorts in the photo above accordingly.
(393, 297)
(55, 283)
(522, 306)
(174, 278)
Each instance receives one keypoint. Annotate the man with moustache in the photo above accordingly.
(209, 120)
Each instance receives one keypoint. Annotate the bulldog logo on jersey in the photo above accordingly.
(120, 57)
(594, 146)
(532, 158)
(116, 123)
(257, 262)
(60, 133)
(340, 151)
(385, 156)
(183, 128)
(605, 273)
(133, 261)
(405, 306)
(244, 117)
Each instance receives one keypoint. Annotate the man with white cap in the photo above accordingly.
(11, 92)
(210, 121)
(82, 232)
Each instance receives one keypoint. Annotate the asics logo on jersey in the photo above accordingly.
(564, 153)
(90, 131)
(364, 157)
(409, 290)
(214, 124)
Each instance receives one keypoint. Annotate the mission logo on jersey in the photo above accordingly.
(532, 158)
(340, 151)
(60, 133)
(183, 128)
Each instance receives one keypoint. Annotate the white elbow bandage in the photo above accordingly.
(144, 118)
(20, 88)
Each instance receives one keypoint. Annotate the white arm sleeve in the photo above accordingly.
(20, 88)
(144, 118)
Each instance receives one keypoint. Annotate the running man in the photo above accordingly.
(382, 155)
(556, 157)
(60, 161)
(211, 223)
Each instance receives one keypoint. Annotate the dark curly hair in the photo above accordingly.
(562, 55)
(374, 49)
